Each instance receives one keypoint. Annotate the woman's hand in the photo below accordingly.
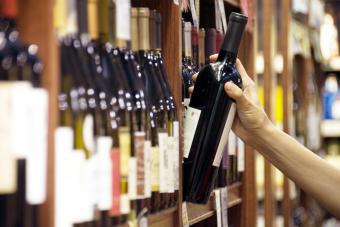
(251, 118)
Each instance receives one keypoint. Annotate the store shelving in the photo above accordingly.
(197, 213)
(34, 19)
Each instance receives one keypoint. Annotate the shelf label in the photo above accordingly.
(185, 218)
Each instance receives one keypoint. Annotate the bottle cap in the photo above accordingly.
(236, 25)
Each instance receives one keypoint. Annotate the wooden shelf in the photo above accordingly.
(197, 213)
(163, 218)
(235, 3)
(330, 128)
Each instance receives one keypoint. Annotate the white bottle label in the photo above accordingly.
(124, 204)
(225, 135)
(163, 161)
(176, 155)
(171, 150)
(19, 128)
(77, 195)
(240, 155)
(147, 168)
(132, 178)
(192, 117)
(8, 163)
(63, 138)
(36, 167)
(104, 172)
(90, 188)
(123, 19)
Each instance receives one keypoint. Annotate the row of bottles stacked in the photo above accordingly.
(117, 144)
(23, 126)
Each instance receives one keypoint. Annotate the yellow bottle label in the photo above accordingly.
(125, 149)
(92, 9)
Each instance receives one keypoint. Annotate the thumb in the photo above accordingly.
(235, 93)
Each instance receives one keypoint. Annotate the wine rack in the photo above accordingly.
(36, 26)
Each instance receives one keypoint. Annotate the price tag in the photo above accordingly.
(185, 218)
(218, 207)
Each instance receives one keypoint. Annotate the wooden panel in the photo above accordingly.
(36, 26)
(269, 82)
(249, 204)
(287, 82)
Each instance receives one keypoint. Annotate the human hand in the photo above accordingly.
(250, 120)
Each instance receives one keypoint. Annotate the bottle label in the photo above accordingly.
(171, 150)
(36, 168)
(240, 155)
(115, 158)
(139, 141)
(123, 19)
(147, 168)
(176, 155)
(8, 163)
(163, 161)
(155, 169)
(125, 149)
(91, 165)
(132, 178)
(63, 138)
(104, 172)
(192, 117)
(77, 203)
(88, 133)
(124, 204)
(19, 120)
(225, 135)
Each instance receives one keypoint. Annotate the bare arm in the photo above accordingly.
(313, 174)
(310, 172)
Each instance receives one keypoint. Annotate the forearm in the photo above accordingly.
(306, 169)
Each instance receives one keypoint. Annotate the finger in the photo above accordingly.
(236, 93)
(213, 57)
(244, 75)
(194, 77)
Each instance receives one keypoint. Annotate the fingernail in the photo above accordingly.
(228, 85)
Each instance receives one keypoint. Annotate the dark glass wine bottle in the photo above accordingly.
(216, 113)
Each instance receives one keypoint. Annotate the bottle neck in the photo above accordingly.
(227, 57)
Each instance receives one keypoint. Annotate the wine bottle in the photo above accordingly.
(210, 43)
(187, 67)
(195, 50)
(216, 113)
(201, 47)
